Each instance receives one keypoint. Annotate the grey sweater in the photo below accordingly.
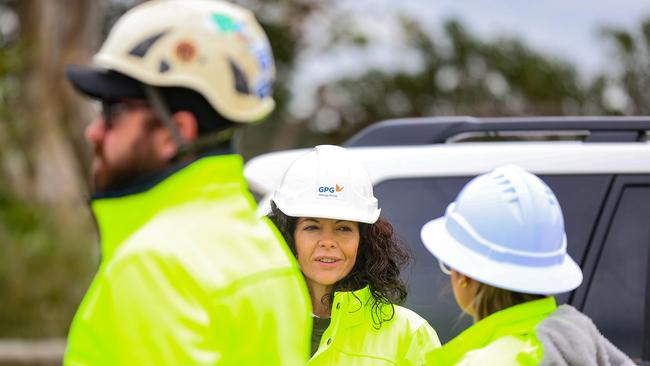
(571, 338)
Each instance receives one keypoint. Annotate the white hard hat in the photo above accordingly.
(212, 47)
(327, 183)
(505, 229)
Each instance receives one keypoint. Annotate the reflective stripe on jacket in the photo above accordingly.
(352, 339)
(506, 337)
(191, 276)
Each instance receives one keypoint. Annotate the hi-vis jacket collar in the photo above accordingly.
(349, 305)
(516, 320)
(347, 312)
(352, 338)
(210, 177)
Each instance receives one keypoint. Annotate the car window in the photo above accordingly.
(618, 285)
(409, 203)
(582, 199)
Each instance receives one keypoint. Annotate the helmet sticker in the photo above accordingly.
(263, 88)
(225, 23)
(264, 57)
(185, 51)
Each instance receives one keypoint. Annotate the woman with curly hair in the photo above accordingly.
(351, 261)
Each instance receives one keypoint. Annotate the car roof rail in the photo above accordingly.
(435, 130)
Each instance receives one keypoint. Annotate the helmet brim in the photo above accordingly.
(325, 211)
(543, 280)
(103, 84)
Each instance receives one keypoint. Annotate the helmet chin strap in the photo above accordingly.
(203, 142)
(160, 108)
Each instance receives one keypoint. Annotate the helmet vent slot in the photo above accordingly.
(241, 82)
(164, 66)
(141, 49)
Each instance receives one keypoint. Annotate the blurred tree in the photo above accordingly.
(47, 121)
(45, 242)
(455, 73)
(466, 76)
(628, 91)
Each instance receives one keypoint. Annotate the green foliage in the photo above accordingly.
(623, 40)
(46, 263)
(47, 255)
(462, 75)
(17, 215)
(10, 67)
(632, 54)
(283, 46)
(645, 31)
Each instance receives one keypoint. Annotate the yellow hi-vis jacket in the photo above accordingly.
(191, 276)
(533, 333)
(505, 338)
(352, 339)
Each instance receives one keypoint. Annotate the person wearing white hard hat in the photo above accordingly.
(503, 244)
(189, 274)
(351, 260)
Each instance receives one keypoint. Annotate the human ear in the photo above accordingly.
(187, 127)
(186, 124)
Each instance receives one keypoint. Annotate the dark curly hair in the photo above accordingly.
(379, 261)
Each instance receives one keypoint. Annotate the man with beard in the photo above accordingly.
(189, 275)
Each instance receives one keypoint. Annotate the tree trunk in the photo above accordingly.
(54, 33)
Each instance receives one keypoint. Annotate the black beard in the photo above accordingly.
(140, 167)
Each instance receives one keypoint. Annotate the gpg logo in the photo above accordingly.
(332, 190)
(326, 189)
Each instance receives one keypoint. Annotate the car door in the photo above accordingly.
(615, 289)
